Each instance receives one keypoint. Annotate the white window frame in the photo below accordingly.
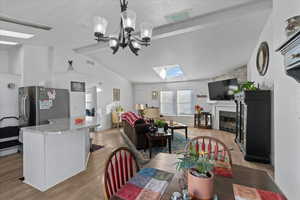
(175, 102)
(178, 104)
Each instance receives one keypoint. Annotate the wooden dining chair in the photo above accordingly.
(120, 167)
(213, 147)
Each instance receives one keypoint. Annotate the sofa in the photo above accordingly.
(137, 133)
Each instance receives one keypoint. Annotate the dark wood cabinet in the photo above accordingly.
(253, 124)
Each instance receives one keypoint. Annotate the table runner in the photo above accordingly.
(249, 193)
(223, 169)
(147, 184)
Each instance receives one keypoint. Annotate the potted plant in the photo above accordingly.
(247, 86)
(200, 178)
(119, 109)
(160, 125)
(198, 109)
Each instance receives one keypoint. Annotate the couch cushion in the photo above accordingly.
(132, 118)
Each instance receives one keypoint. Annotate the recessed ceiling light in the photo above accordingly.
(169, 71)
(15, 34)
(8, 43)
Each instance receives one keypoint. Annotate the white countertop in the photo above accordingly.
(59, 126)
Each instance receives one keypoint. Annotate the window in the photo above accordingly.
(169, 72)
(178, 102)
(184, 102)
(167, 103)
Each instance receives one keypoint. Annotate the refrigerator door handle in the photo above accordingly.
(22, 108)
(25, 113)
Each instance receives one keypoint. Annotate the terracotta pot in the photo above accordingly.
(201, 188)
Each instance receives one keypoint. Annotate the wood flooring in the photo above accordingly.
(88, 184)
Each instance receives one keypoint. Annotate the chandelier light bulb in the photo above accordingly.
(146, 31)
(100, 25)
(113, 42)
(128, 20)
(135, 44)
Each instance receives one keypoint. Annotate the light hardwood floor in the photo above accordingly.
(88, 184)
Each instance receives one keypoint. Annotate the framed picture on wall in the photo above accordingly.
(77, 86)
(116, 94)
(154, 95)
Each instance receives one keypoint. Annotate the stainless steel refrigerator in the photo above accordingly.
(39, 104)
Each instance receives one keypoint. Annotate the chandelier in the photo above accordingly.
(127, 35)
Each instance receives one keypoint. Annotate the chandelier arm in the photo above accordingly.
(123, 4)
(131, 47)
(118, 45)
(122, 39)
(102, 38)
(140, 41)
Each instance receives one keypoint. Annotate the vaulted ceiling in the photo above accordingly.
(221, 37)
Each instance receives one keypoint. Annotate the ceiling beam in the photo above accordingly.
(24, 23)
(195, 23)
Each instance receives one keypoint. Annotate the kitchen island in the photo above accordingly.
(56, 151)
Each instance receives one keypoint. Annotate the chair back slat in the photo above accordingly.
(109, 182)
(112, 170)
(126, 166)
(117, 168)
(197, 147)
(203, 145)
(214, 148)
(209, 148)
(223, 155)
(131, 165)
(216, 154)
(120, 167)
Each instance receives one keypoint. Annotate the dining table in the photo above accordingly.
(223, 186)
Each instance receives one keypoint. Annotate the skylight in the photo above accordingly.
(15, 34)
(169, 72)
(8, 43)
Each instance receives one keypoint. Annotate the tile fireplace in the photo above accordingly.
(227, 121)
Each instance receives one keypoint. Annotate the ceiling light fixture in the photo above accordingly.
(15, 34)
(127, 36)
(8, 42)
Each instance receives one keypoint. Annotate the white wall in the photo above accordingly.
(36, 65)
(15, 60)
(8, 97)
(143, 91)
(92, 75)
(3, 61)
(143, 95)
(286, 122)
(29, 65)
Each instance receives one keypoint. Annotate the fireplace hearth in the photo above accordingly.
(227, 121)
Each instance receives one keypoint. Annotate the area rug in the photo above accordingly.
(177, 146)
(95, 147)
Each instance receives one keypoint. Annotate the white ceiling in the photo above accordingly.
(203, 53)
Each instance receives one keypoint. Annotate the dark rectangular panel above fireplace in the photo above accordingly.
(227, 121)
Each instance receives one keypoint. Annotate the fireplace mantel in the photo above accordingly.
(218, 106)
